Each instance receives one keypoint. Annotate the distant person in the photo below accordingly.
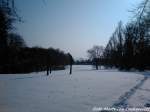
(70, 62)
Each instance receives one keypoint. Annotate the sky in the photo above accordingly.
(71, 25)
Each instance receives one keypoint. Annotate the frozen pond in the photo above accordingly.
(79, 92)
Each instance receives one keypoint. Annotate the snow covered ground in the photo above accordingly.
(80, 92)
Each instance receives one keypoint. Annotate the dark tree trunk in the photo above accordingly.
(47, 70)
(70, 69)
(96, 66)
(50, 69)
(71, 61)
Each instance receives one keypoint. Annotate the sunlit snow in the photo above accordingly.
(79, 92)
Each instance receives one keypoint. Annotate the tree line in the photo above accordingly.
(129, 45)
(16, 56)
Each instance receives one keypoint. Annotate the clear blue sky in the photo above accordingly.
(71, 25)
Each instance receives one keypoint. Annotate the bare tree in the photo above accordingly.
(95, 54)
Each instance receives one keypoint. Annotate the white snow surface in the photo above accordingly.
(80, 92)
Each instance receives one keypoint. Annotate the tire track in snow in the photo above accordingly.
(122, 101)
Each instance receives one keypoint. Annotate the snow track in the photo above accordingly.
(122, 101)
